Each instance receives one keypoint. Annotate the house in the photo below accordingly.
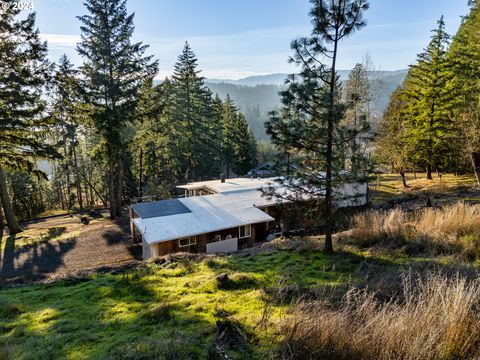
(221, 216)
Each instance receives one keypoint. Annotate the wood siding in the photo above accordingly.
(258, 234)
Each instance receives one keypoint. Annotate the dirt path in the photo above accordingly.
(102, 243)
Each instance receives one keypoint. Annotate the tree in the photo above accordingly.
(194, 130)
(23, 73)
(238, 142)
(310, 120)
(157, 170)
(357, 96)
(65, 107)
(464, 57)
(114, 71)
(430, 101)
(392, 144)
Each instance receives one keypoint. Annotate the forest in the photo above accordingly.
(393, 276)
(108, 131)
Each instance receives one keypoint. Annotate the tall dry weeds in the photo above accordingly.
(437, 318)
(451, 229)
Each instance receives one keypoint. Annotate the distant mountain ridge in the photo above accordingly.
(279, 78)
(257, 95)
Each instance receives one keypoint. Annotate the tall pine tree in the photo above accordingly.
(23, 72)
(238, 142)
(194, 129)
(114, 71)
(429, 97)
(464, 56)
(393, 135)
(358, 95)
(309, 125)
(64, 111)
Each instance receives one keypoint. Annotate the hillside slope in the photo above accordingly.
(257, 95)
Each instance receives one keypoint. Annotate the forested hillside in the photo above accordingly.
(362, 242)
(257, 95)
(105, 132)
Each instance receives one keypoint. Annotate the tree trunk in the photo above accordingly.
(141, 173)
(119, 184)
(402, 174)
(329, 155)
(111, 185)
(475, 160)
(12, 222)
(67, 174)
(1, 221)
(77, 176)
(429, 172)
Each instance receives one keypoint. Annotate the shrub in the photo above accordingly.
(450, 230)
(236, 281)
(9, 310)
(436, 318)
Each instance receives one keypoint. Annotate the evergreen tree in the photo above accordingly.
(358, 95)
(114, 71)
(23, 72)
(309, 124)
(229, 140)
(429, 96)
(393, 137)
(154, 142)
(245, 148)
(64, 112)
(464, 56)
(238, 145)
(194, 130)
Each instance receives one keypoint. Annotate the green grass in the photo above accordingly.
(161, 311)
(46, 232)
(389, 186)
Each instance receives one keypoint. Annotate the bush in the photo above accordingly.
(436, 318)
(450, 230)
(9, 310)
(237, 281)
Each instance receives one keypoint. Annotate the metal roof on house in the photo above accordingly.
(160, 208)
(236, 203)
(207, 214)
(230, 184)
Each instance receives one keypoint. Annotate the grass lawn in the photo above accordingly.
(40, 235)
(47, 231)
(162, 310)
(389, 186)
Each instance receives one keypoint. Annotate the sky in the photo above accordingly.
(238, 38)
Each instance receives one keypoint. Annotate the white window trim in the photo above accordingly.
(191, 241)
(217, 238)
(249, 227)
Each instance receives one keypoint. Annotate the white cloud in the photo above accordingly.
(58, 40)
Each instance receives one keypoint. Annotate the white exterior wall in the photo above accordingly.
(149, 250)
(223, 246)
(351, 194)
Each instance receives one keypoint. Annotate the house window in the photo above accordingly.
(187, 241)
(245, 231)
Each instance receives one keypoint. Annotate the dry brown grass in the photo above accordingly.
(452, 229)
(437, 318)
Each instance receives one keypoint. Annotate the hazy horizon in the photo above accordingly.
(238, 40)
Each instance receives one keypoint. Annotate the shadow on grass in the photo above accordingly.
(109, 317)
(34, 260)
(121, 235)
